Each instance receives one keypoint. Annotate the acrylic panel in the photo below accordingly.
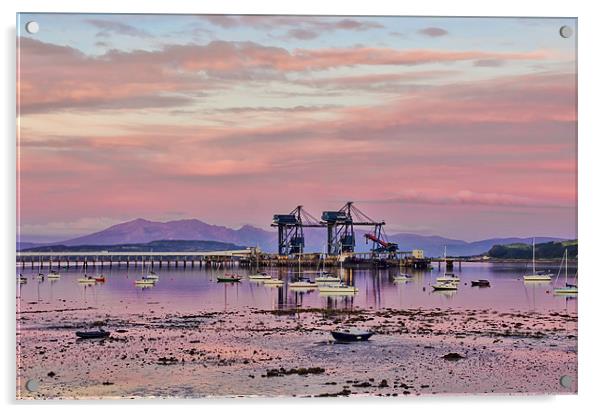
(295, 206)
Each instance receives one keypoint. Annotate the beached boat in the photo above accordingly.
(338, 289)
(535, 275)
(568, 289)
(445, 286)
(100, 333)
(259, 276)
(351, 335)
(229, 278)
(480, 283)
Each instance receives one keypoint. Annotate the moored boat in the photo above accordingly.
(402, 278)
(448, 277)
(22, 279)
(536, 275)
(445, 286)
(480, 283)
(259, 276)
(303, 283)
(100, 279)
(274, 281)
(568, 289)
(144, 282)
(86, 280)
(339, 288)
(53, 275)
(232, 278)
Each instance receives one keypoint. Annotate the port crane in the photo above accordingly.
(291, 239)
(340, 228)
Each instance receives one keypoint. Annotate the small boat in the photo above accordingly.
(327, 278)
(402, 278)
(536, 275)
(100, 333)
(448, 277)
(273, 281)
(351, 335)
(40, 276)
(568, 288)
(144, 282)
(100, 279)
(303, 283)
(22, 279)
(445, 286)
(54, 275)
(86, 280)
(154, 277)
(229, 278)
(259, 276)
(480, 283)
(338, 288)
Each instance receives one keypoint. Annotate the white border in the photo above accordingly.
(590, 176)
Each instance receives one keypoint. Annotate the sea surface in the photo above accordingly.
(196, 288)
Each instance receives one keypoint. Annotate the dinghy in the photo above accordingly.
(480, 283)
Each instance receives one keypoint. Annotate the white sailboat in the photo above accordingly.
(302, 282)
(445, 286)
(568, 288)
(448, 277)
(535, 276)
(326, 277)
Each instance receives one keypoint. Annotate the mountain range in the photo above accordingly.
(140, 231)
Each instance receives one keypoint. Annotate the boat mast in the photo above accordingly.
(533, 255)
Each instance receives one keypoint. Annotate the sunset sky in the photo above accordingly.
(459, 127)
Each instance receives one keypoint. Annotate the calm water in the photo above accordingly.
(197, 289)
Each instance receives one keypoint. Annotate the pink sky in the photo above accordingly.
(469, 139)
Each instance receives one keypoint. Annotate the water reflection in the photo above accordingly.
(195, 289)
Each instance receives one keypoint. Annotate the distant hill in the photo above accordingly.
(156, 246)
(433, 245)
(141, 231)
(144, 231)
(547, 250)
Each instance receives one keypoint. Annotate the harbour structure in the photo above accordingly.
(291, 239)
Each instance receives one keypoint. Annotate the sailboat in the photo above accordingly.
(326, 277)
(338, 287)
(448, 277)
(303, 282)
(445, 286)
(53, 275)
(535, 276)
(568, 288)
